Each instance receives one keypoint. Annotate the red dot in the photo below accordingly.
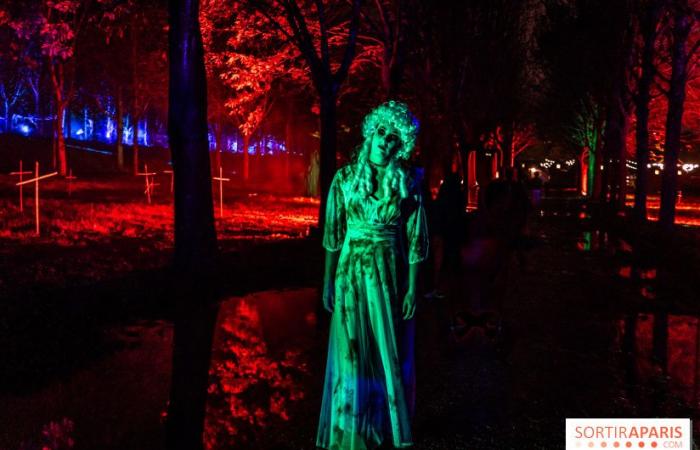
(641, 444)
(653, 444)
(603, 444)
(616, 444)
(628, 444)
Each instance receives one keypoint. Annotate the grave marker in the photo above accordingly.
(35, 180)
(221, 180)
(172, 179)
(70, 177)
(21, 187)
(149, 183)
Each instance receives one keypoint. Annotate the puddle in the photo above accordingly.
(258, 375)
(260, 365)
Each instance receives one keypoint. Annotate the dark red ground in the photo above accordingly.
(602, 324)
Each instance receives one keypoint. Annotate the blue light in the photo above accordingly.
(126, 138)
(103, 128)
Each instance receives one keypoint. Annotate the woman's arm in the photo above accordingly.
(329, 280)
(409, 300)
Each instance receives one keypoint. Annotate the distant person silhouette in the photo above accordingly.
(450, 210)
(498, 232)
(536, 186)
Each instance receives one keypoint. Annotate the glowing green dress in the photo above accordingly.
(368, 393)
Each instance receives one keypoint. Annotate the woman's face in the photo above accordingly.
(385, 143)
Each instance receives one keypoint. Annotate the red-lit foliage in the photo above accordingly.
(658, 107)
(250, 57)
(524, 136)
(676, 337)
(249, 388)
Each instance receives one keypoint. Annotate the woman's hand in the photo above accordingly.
(329, 295)
(409, 305)
(329, 280)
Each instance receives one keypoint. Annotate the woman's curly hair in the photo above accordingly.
(399, 116)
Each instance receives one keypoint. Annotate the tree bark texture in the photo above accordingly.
(650, 20)
(676, 100)
(195, 235)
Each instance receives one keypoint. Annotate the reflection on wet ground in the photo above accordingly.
(260, 366)
(661, 359)
(658, 340)
(586, 342)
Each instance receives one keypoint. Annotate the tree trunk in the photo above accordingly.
(649, 23)
(60, 160)
(135, 95)
(386, 75)
(289, 145)
(246, 158)
(120, 129)
(464, 157)
(54, 144)
(68, 123)
(583, 172)
(218, 137)
(328, 146)
(595, 162)
(508, 154)
(135, 143)
(392, 51)
(195, 235)
(674, 117)
(391, 71)
(37, 102)
(7, 116)
(613, 176)
(62, 163)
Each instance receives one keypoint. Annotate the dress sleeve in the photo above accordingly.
(417, 231)
(334, 229)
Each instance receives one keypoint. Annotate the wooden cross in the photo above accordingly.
(70, 177)
(21, 187)
(221, 180)
(35, 180)
(149, 184)
(172, 179)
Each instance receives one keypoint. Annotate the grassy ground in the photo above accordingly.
(86, 331)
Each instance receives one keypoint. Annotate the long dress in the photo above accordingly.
(369, 388)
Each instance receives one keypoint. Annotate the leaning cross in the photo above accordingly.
(70, 177)
(172, 179)
(221, 180)
(21, 173)
(149, 184)
(35, 180)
